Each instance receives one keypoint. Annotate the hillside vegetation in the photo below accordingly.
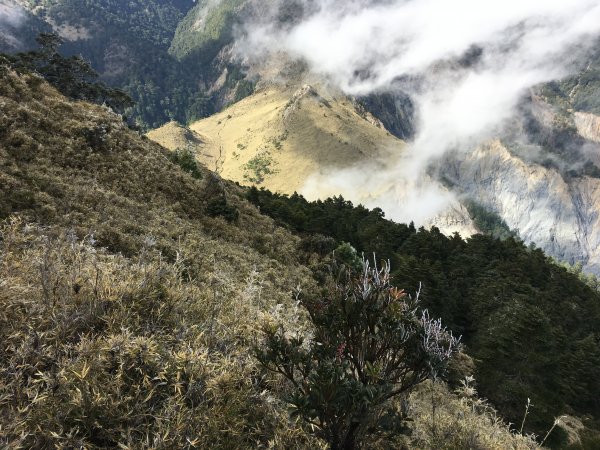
(579, 92)
(206, 29)
(131, 297)
(525, 321)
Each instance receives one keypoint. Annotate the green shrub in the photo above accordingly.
(370, 344)
(347, 255)
(317, 243)
(220, 207)
(259, 167)
(186, 159)
(488, 222)
(72, 76)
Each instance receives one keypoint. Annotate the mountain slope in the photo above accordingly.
(545, 189)
(129, 305)
(519, 314)
(121, 229)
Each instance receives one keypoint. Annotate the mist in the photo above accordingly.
(465, 64)
(12, 16)
(11, 13)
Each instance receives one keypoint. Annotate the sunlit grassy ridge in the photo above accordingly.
(279, 137)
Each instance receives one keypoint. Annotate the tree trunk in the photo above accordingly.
(349, 442)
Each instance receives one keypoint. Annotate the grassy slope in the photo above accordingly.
(175, 136)
(127, 314)
(123, 194)
(314, 134)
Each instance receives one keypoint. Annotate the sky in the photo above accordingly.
(369, 46)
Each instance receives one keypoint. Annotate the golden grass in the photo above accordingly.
(175, 136)
(447, 420)
(303, 132)
(99, 350)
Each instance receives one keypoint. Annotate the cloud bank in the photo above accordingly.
(465, 63)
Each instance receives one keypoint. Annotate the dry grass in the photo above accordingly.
(104, 343)
(99, 350)
(175, 136)
(460, 420)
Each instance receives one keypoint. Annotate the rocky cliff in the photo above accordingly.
(558, 214)
(588, 125)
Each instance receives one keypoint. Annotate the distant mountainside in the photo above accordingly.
(19, 26)
(556, 137)
(174, 57)
(282, 136)
(278, 137)
(129, 43)
(206, 29)
(579, 92)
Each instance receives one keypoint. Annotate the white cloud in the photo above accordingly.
(11, 13)
(12, 16)
(366, 46)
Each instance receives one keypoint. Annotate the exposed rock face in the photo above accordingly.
(395, 111)
(455, 219)
(560, 216)
(588, 126)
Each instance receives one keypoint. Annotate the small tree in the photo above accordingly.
(186, 159)
(370, 344)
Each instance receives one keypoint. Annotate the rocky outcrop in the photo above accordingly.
(294, 103)
(588, 126)
(455, 219)
(558, 215)
(395, 111)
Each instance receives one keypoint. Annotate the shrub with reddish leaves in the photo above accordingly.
(371, 343)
